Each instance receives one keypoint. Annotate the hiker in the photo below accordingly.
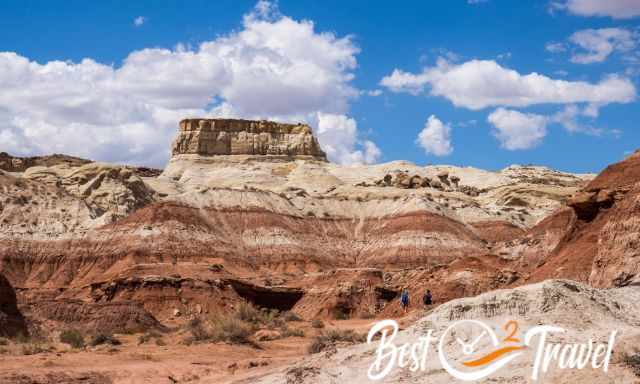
(427, 299)
(404, 299)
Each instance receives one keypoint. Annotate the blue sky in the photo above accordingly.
(110, 80)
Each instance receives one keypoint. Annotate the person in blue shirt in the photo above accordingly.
(404, 300)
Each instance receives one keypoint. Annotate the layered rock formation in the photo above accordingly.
(246, 137)
(600, 243)
(343, 239)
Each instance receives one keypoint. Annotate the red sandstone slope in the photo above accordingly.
(602, 242)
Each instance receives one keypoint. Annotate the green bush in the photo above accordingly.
(72, 337)
(291, 316)
(317, 323)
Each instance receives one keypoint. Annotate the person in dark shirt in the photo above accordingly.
(427, 299)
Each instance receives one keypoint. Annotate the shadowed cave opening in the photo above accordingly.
(385, 294)
(280, 298)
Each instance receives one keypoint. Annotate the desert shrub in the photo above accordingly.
(367, 315)
(153, 333)
(143, 356)
(317, 323)
(22, 338)
(103, 338)
(340, 314)
(144, 338)
(319, 344)
(289, 332)
(3, 341)
(197, 330)
(291, 316)
(132, 330)
(72, 337)
(274, 323)
(147, 336)
(329, 338)
(250, 314)
(31, 349)
(160, 342)
(345, 335)
(231, 329)
(632, 361)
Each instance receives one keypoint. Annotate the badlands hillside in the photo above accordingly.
(251, 211)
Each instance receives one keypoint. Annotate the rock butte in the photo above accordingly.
(246, 137)
(248, 210)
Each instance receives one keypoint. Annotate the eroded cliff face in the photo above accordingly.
(254, 205)
(600, 244)
(212, 137)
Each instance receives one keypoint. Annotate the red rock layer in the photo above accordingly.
(601, 244)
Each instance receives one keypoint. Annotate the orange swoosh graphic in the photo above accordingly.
(491, 356)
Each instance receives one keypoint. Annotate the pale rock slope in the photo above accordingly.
(584, 312)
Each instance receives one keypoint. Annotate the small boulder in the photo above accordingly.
(444, 177)
(405, 182)
(455, 180)
(415, 181)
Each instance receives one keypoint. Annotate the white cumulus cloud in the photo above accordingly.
(272, 67)
(139, 21)
(555, 47)
(374, 92)
(617, 9)
(516, 130)
(478, 84)
(435, 137)
(600, 43)
(338, 136)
